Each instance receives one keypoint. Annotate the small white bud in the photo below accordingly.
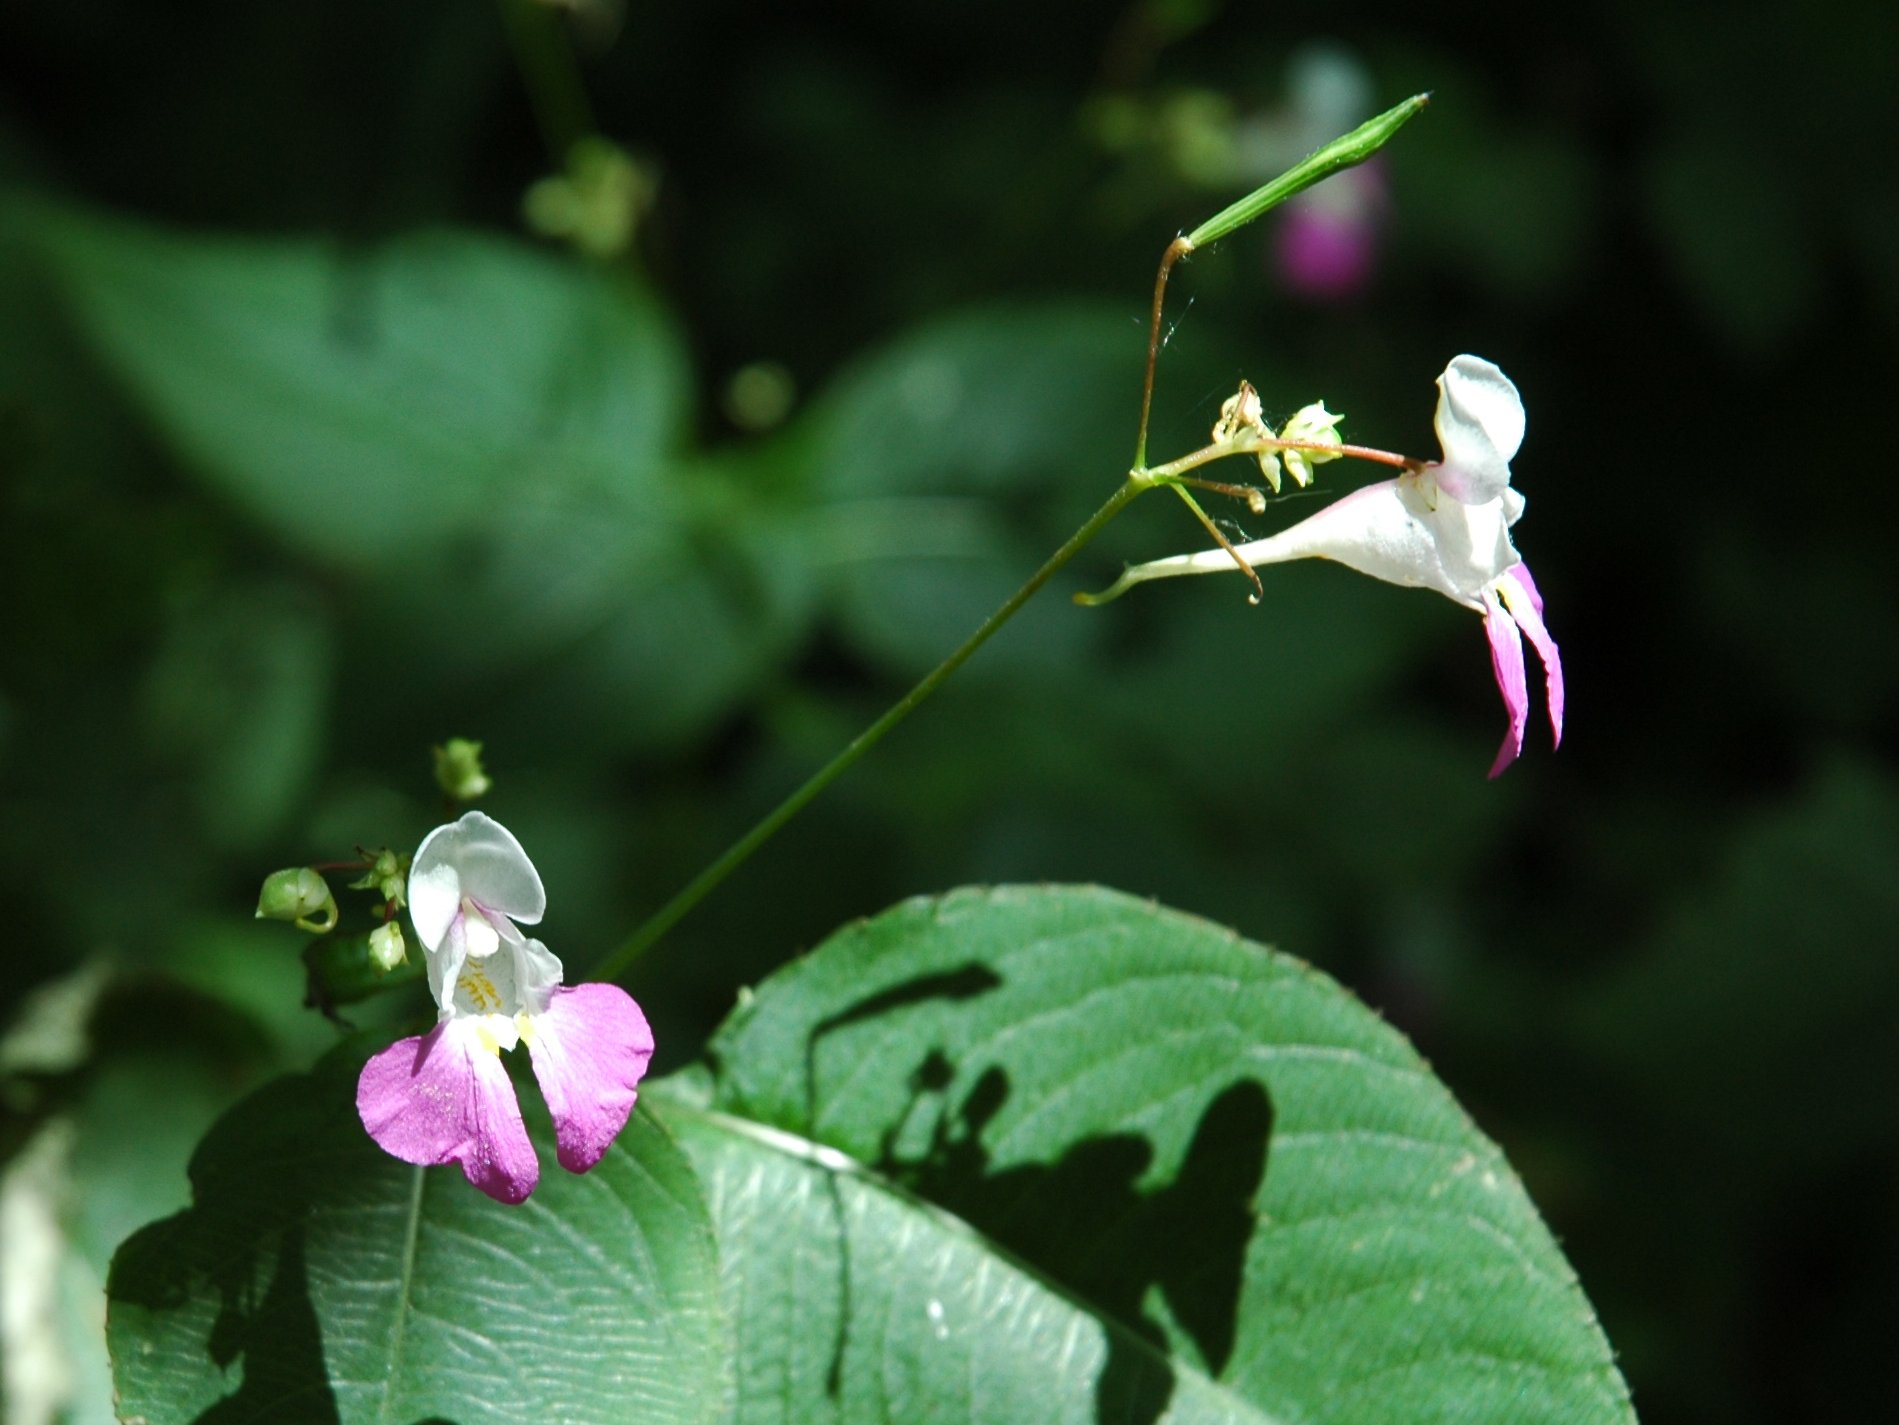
(386, 948)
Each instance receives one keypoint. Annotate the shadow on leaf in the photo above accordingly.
(254, 1179)
(1086, 1220)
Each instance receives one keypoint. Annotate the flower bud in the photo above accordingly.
(596, 204)
(387, 876)
(386, 949)
(1310, 425)
(458, 770)
(299, 895)
(1241, 418)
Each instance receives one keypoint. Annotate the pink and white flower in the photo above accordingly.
(1445, 526)
(444, 1096)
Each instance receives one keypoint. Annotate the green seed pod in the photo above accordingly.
(299, 895)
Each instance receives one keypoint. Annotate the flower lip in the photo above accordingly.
(444, 1097)
(475, 859)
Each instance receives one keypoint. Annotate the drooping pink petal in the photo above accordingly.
(1506, 660)
(1520, 596)
(1520, 572)
(590, 1049)
(444, 1098)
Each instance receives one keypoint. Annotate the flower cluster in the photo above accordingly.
(1443, 526)
(1242, 422)
(445, 1096)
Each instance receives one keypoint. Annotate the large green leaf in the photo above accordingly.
(490, 439)
(371, 404)
(931, 456)
(1032, 1153)
(860, 1302)
(315, 1279)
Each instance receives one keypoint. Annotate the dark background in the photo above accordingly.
(1658, 966)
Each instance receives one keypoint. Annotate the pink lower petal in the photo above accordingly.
(1520, 572)
(444, 1098)
(590, 1048)
(1506, 660)
(1526, 605)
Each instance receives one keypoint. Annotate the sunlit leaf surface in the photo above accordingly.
(316, 1279)
(1061, 1154)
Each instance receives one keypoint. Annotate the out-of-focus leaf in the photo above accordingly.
(1313, 654)
(1060, 1154)
(368, 406)
(1737, 231)
(237, 696)
(51, 1335)
(116, 1077)
(488, 438)
(316, 1279)
(1520, 220)
(50, 1032)
(255, 968)
(1006, 402)
(922, 450)
(1762, 1004)
(674, 633)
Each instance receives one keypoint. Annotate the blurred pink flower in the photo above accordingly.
(1326, 243)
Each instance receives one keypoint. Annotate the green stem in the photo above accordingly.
(1342, 153)
(695, 890)
(1176, 250)
(1219, 538)
(551, 74)
(1173, 469)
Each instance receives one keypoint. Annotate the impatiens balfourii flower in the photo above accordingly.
(1443, 526)
(444, 1096)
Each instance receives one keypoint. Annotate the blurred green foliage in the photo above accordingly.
(309, 460)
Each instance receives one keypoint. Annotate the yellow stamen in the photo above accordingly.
(481, 990)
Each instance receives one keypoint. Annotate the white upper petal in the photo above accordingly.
(444, 964)
(1480, 423)
(435, 892)
(476, 857)
(480, 934)
(537, 974)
